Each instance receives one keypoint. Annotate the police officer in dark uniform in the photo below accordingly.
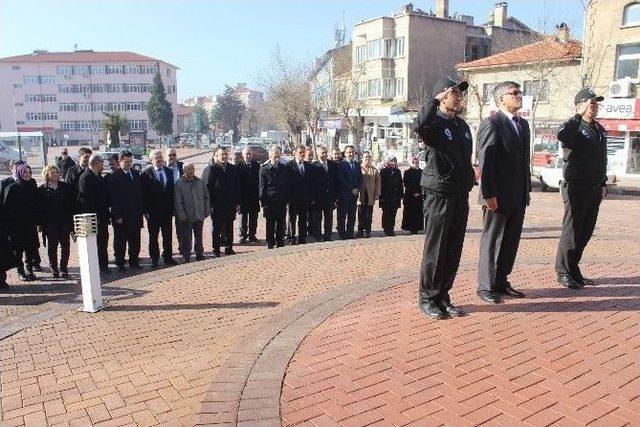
(446, 181)
(584, 146)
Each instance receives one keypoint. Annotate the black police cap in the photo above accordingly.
(447, 82)
(587, 94)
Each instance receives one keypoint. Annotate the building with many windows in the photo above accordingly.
(612, 67)
(66, 93)
(398, 59)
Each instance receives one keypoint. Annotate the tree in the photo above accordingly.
(287, 95)
(227, 114)
(113, 125)
(159, 109)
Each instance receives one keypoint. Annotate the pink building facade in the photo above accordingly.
(65, 94)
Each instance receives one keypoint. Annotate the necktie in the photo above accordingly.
(516, 119)
(161, 176)
(130, 176)
(326, 168)
(301, 167)
(352, 166)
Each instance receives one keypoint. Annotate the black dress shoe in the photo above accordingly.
(104, 271)
(217, 254)
(24, 277)
(121, 268)
(432, 310)
(587, 282)
(569, 282)
(135, 266)
(508, 290)
(154, 263)
(199, 257)
(489, 297)
(243, 240)
(31, 276)
(451, 309)
(229, 252)
(170, 261)
(37, 268)
(55, 273)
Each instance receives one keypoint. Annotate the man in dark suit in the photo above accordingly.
(323, 193)
(274, 194)
(157, 197)
(349, 182)
(173, 164)
(503, 141)
(391, 191)
(299, 179)
(125, 189)
(93, 197)
(73, 174)
(65, 163)
(223, 196)
(248, 177)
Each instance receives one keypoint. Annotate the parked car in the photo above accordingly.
(551, 176)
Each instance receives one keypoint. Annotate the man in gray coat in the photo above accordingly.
(191, 201)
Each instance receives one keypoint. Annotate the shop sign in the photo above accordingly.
(619, 108)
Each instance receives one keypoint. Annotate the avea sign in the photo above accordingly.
(617, 108)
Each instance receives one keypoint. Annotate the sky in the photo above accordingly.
(223, 42)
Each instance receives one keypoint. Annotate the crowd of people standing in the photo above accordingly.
(298, 198)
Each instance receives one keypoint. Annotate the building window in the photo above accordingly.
(388, 88)
(32, 117)
(631, 15)
(389, 48)
(627, 62)
(399, 87)
(18, 104)
(538, 89)
(487, 92)
(17, 85)
(65, 70)
(374, 89)
(374, 49)
(99, 70)
(38, 79)
(20, 122)
(15, 67)
(362, 90)
(399, 47)
(360, 54)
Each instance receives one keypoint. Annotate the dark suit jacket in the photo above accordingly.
(93, 195)
(274, 185)
(248, 177)
(65, 165)
(348, 179)
(180, 170)
(323, 184)
(299, 184)
(126, 198)
(504, 162)
(223, 187)
(157, 201)
(73, 176)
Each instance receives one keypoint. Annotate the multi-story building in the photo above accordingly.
(253, 101)
(330, 81)
(64, 94)
(183, 118)
(612, 67)
(398, 59)
(549, 74)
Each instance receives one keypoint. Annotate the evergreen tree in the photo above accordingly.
(200, 119)
(159, 109)
(114, 124)
(228, 113)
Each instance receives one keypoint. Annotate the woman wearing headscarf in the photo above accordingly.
(412, 217)
(20, 211)
(54, 206)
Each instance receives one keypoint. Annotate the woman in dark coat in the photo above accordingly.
(54, 205)
(412, 217)
(20, 212)
(7, 258)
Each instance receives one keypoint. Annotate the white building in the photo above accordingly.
(66, 93)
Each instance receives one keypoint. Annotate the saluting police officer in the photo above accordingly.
(584, 149)
(446, 181)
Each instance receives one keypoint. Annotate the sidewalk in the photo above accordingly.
(211, 342)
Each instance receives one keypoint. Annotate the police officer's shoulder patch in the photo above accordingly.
(585, 133)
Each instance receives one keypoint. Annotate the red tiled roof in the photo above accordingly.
(81, 56)
(549, 49)
(183, 110)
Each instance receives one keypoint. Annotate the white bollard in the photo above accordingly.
(85, 227)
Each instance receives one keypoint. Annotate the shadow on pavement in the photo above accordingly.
(615, 290)
(208, 306)
(618, 304)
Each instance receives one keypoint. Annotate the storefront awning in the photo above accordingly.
(621, 125)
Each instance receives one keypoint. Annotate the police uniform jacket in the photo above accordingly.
(584, 151)
(274, 185)
(448, 167)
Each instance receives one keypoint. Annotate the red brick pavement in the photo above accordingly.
(150, 357)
